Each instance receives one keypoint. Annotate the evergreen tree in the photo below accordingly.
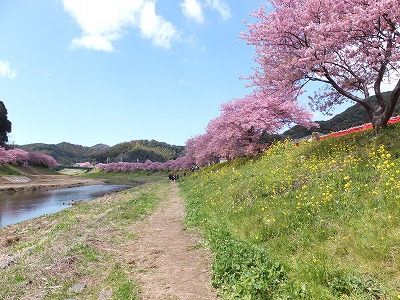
(5, 124)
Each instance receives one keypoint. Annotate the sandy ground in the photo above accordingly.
(45, 182)
(170, 263)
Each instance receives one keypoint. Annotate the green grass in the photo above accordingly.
(130, 178)
(125, 288)
(8, 170)
(19, 170)
(318, 221)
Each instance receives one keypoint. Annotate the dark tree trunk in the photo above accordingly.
(384, 111)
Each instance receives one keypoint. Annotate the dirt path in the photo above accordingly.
(169, 265)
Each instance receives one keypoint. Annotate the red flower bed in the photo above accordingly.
(392, 120)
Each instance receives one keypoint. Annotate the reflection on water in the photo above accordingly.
(21, 206)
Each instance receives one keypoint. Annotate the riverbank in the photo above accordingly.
(45, 182)
(76, 251)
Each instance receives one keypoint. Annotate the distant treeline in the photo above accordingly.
(133, 151)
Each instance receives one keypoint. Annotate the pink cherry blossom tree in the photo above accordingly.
(189, 158)
(86, 165)
(179, 163)
(6, 157)
(242, 123)
(199, 150)
(21, 156)
(351, 47)
(41, 160)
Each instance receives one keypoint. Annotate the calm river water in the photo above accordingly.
(21, 206)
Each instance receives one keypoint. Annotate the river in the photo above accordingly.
(21, 206)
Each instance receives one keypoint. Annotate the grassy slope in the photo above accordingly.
(129, 178)
(318, 221)
(25, 170)
(44, 257)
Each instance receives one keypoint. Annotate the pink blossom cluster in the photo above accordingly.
(85, 165)
(20, 157)
(177, 164)
(6, 157)
(350, 47)
(242, 124)
(41, 160)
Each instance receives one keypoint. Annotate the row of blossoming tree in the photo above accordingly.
(350, 48)
(176, 164)
(20, 157)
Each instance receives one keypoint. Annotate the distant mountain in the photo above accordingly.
(133, 151)
(100, 147)
(353, 116)
(141, 150)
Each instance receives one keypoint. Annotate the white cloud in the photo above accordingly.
(106, 21)
(155, 27)
(220, 6)
(6, 71)
(192, 10)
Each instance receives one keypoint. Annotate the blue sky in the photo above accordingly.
(110, 71)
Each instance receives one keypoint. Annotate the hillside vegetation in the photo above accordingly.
(353, 116)
(25, 170)
(317, 221)
(142, 150)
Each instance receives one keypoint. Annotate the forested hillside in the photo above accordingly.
(133, 151)
(353, 116)
(141, 150)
